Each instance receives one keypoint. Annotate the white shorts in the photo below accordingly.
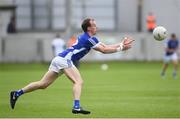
(169, 58)
(59, 63)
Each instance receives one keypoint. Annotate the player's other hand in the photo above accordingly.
(127, 43)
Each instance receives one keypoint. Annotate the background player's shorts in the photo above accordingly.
(169, 58)
(59, 63)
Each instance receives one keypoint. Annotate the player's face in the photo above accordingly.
(93, 27)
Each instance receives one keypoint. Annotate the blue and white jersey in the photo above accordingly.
(171, 44)
(80, 48)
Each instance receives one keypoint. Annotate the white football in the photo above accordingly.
(160, 33)
(104, 67)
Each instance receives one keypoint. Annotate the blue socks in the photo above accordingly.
(19, 93)
(76, 104)
(174, 74)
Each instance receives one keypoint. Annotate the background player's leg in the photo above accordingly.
(165, 66)
(175, 64)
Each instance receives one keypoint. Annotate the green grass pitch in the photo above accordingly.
(125, 90)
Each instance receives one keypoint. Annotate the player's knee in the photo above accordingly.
(79, 82)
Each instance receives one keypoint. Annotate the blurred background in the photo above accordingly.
(123, 84)
(35, 24)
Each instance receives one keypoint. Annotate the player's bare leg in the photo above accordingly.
(175, 63)
(165, 66)
(47, 79)
(74, 75)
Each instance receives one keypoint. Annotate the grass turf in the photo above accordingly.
(126, 89)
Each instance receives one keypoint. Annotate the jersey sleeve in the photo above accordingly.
(93, 42)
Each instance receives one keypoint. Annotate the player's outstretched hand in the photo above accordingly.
(127, 43)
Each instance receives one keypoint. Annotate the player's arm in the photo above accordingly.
(101, 47)
(124, 45)
(171, 49)
(178, 49)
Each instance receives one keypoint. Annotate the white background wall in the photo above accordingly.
(119, 15)
(124, 20)
(37, 47)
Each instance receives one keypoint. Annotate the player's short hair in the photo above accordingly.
(173, 35)
(85, 24)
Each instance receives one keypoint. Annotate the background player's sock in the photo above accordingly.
(174, 74)
(162, 73)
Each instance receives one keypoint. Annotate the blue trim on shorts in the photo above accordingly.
(69, 63)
